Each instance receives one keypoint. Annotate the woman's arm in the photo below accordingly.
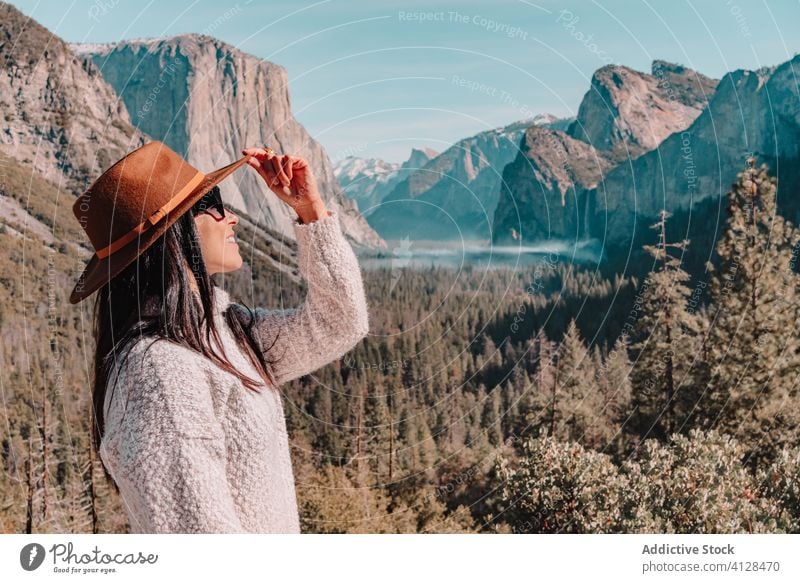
(334, 316)
(165, 448)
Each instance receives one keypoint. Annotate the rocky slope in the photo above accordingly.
(60, 117)
(558, 187)
(752, 112)
(688, 173)
(626, 113)
(208, 100)
(64, 126)
(544, 188)
(455, 194)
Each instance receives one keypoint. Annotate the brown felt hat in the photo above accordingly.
(132, 204)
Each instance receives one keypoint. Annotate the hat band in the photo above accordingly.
(152, 219)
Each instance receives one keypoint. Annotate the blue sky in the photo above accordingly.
(378, 78)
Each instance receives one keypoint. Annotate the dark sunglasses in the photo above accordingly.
(211, 203)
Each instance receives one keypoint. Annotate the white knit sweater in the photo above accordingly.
(197, 451)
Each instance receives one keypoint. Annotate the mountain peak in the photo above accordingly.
(188, 42)
(220, 99)
(419, 156)
(628, 112)
(661, 65)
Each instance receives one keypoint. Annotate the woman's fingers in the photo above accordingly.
(258, 152)
(289, 169)
(280, 175)
(301, 172)
(278, 171)
(299, 163)
(274, 166)
(256, 165)
(286, 165)
(260, 155)
(261, 160)
(259, 167)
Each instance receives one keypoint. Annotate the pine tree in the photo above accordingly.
(359, 455)
(615, 385)
(539, 397)
(665, 341)
(577, 400)
(490, 362)
(753, 338)
(407, 454)
(616, 381)
(377, 439)
(425, 446)
(321, 411)
(491, 417)
(475, 436)
(391, 400)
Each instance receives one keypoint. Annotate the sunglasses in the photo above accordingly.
(211, 203)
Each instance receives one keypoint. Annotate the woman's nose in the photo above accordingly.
(234, 217)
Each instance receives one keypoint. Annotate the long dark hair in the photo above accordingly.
(153, 298)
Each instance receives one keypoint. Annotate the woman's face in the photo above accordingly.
(217, 242)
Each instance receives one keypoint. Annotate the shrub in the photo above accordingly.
(695, 483)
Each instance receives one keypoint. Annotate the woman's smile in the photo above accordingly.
(216, 236)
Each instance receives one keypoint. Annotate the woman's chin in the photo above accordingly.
(232, 263)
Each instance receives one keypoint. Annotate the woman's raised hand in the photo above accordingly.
(289, 177)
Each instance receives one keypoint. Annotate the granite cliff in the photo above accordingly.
(571, 185)
(752, 113)
(60, 116)
(208, 100)
(626, 112)
(453, 195)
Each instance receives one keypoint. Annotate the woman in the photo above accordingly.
(186, 410)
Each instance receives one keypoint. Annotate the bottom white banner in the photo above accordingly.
(353, 557)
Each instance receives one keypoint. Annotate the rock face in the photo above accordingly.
(60, 118)
(208, 100)
(65, 125)
(367, 181)
(544, 189)
(559, 186)
(455, 194)
(626, 113)
(688, 174)
(751, 113)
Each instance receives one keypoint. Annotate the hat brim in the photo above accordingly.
(98, 271)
